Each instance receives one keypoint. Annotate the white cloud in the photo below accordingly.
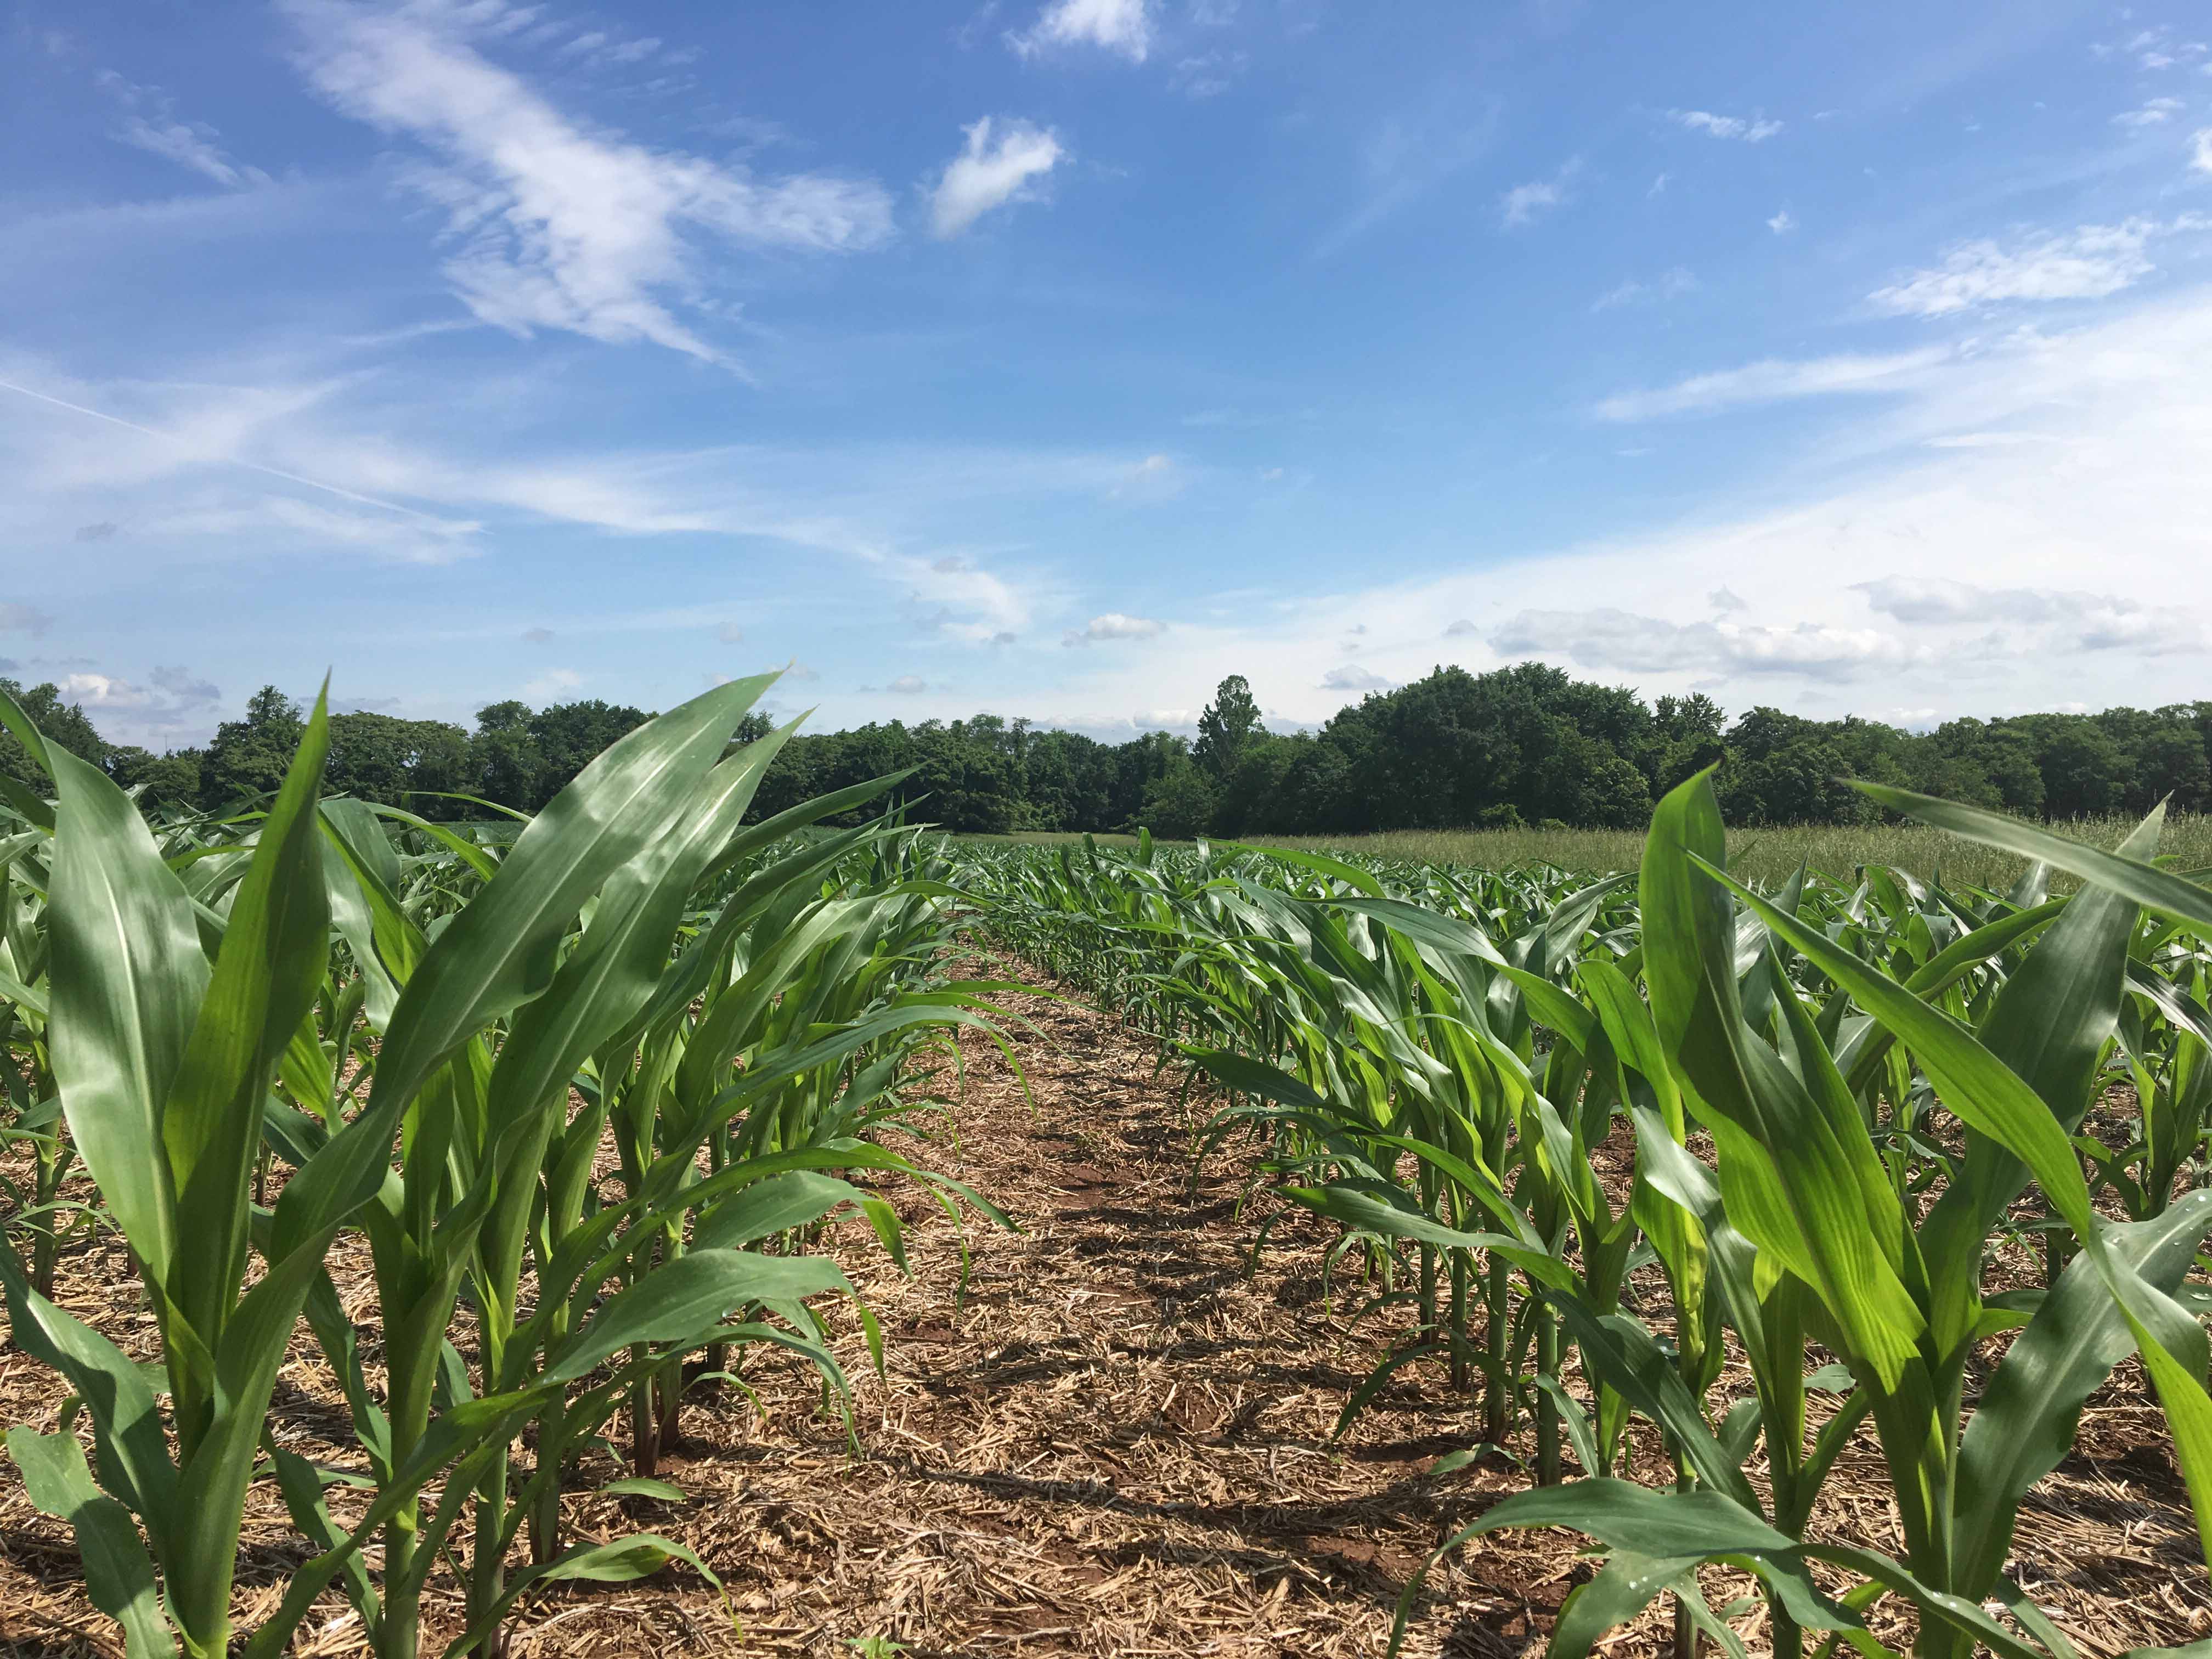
(555, 225)
(2077, 620)
(991, 171)
(189, 146)
(1774, 379)
(1614, 639)
(151, 123)
(908, 684)
(537, 635)
(1351, 677)
(184, 685)
(1721, 598)
(1113, 625)
(1122, 27)
(172, 705)
(1668, 285)
(1155, 478)
(1783, 223)
(1208, 75)
(2087, 263)
(102, 691)
(551, 684)
(1754, 130)
(2154, 112)
(1522, 203)
(730, 633)
(2201, 150)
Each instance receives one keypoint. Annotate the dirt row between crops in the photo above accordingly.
(1114, 1441)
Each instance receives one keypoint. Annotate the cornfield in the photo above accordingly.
(1824, 1110)
(586, 1090)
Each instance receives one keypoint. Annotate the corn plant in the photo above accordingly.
(162, 1059)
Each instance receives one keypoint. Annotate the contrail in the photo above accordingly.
(226, 460)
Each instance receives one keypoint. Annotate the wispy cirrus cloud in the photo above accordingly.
(2086, 263)
(1749, 129)
(1774, 379)
(999, 163)
(151, 123)
(554, 224)
(1410, 152)
(2152, 112)
(1521, 204)
(1668, 285)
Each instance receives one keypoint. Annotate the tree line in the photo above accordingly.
(1528, 744)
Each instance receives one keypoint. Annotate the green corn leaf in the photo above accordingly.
(757, 1212)
(499, 951)
(1622, 1354)
(119, 1574)
(128, 1440)
(686, 1296)
(302, 1488)
(1811, 1190)
(1990, 1098)
(621, 1562)
(124, 986)
(200, 1553)
(13, 791)
(1623, 1587)
(266, 978)
(1371, 1212)
(638, 1485)
(2147, 884)
(2024, 1425)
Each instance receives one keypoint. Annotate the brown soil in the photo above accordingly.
(1115, 1442)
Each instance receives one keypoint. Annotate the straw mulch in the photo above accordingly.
(1116, 1441)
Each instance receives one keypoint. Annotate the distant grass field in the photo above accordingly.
(1760, 855)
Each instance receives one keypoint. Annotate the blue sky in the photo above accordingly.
(1056, 357)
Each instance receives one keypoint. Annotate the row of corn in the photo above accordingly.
(1738, 1176)
(580, 1090)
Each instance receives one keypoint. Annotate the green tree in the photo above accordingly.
(248, 758)
(1180, 803)
(1251, 798)
(1226, 727)
(2083, 771)
(378, 757)
(64, 723)
(569, 736)
(163, 782)
(504, 763)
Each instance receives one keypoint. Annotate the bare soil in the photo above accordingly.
(1113, 1439)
